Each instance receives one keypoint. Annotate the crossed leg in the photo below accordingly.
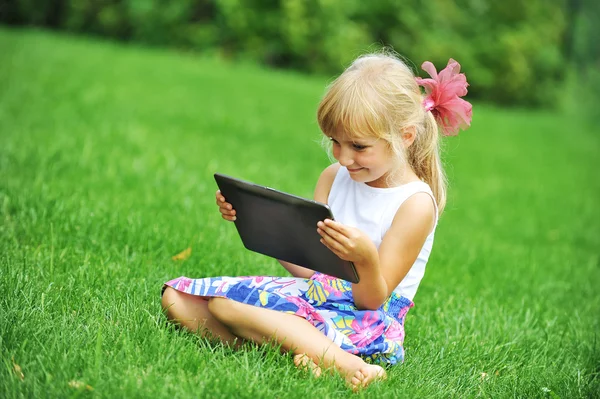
(230, 320)
(191, 312)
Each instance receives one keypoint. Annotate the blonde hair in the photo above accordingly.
(377, 96)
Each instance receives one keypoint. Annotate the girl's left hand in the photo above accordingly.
(347, 242)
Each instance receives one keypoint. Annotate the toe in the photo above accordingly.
(317, 371)
(381, 374)
(298, 359)
(305, 363)
(357, 380)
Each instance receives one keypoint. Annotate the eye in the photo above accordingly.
(358, 147)
(334, 141)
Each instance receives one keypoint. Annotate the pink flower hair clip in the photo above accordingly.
(444, 90)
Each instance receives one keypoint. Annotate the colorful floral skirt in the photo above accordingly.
(324, 301)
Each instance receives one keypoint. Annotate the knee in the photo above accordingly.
(224, 310)
(168, 302)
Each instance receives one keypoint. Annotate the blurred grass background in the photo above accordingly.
(106, 159)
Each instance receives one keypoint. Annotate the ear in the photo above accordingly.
(408, 136)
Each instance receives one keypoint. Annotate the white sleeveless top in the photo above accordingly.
(372, 210)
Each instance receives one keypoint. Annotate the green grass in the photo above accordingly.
(106, 161)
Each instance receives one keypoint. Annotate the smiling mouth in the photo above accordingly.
(354, 170)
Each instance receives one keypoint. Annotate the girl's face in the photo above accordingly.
(369, 160)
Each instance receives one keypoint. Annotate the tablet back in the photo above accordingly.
(282, 226)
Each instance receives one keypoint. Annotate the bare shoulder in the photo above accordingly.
(330, 172)
(416, 213)
(325, 182)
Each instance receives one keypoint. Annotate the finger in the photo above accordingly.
(331, 242)
(220, 197)
(330, 248)
(336, 226)
(330, 234)
(229, 218)
(228, 212)
(333, 233)
(329, 225)
(337, 253)
(224, 205)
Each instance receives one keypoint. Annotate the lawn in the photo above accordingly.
(106, 159)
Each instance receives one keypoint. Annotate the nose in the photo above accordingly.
(345, 157)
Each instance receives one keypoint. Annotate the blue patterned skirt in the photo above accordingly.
(324, 301)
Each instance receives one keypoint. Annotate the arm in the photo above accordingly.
(381, 271)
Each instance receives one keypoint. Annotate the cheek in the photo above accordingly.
(374, 161)
(336, 151)
(366, 159)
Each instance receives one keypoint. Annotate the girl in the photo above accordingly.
(386, 191)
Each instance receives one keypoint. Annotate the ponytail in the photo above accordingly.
(424, 157)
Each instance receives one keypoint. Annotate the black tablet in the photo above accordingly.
(283, 226)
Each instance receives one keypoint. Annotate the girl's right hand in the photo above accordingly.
(226, 209)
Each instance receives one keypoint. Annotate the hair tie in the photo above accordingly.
(444, 90)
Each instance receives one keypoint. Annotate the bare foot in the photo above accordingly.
(303, 362)
(365, 375)
(359, 374)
